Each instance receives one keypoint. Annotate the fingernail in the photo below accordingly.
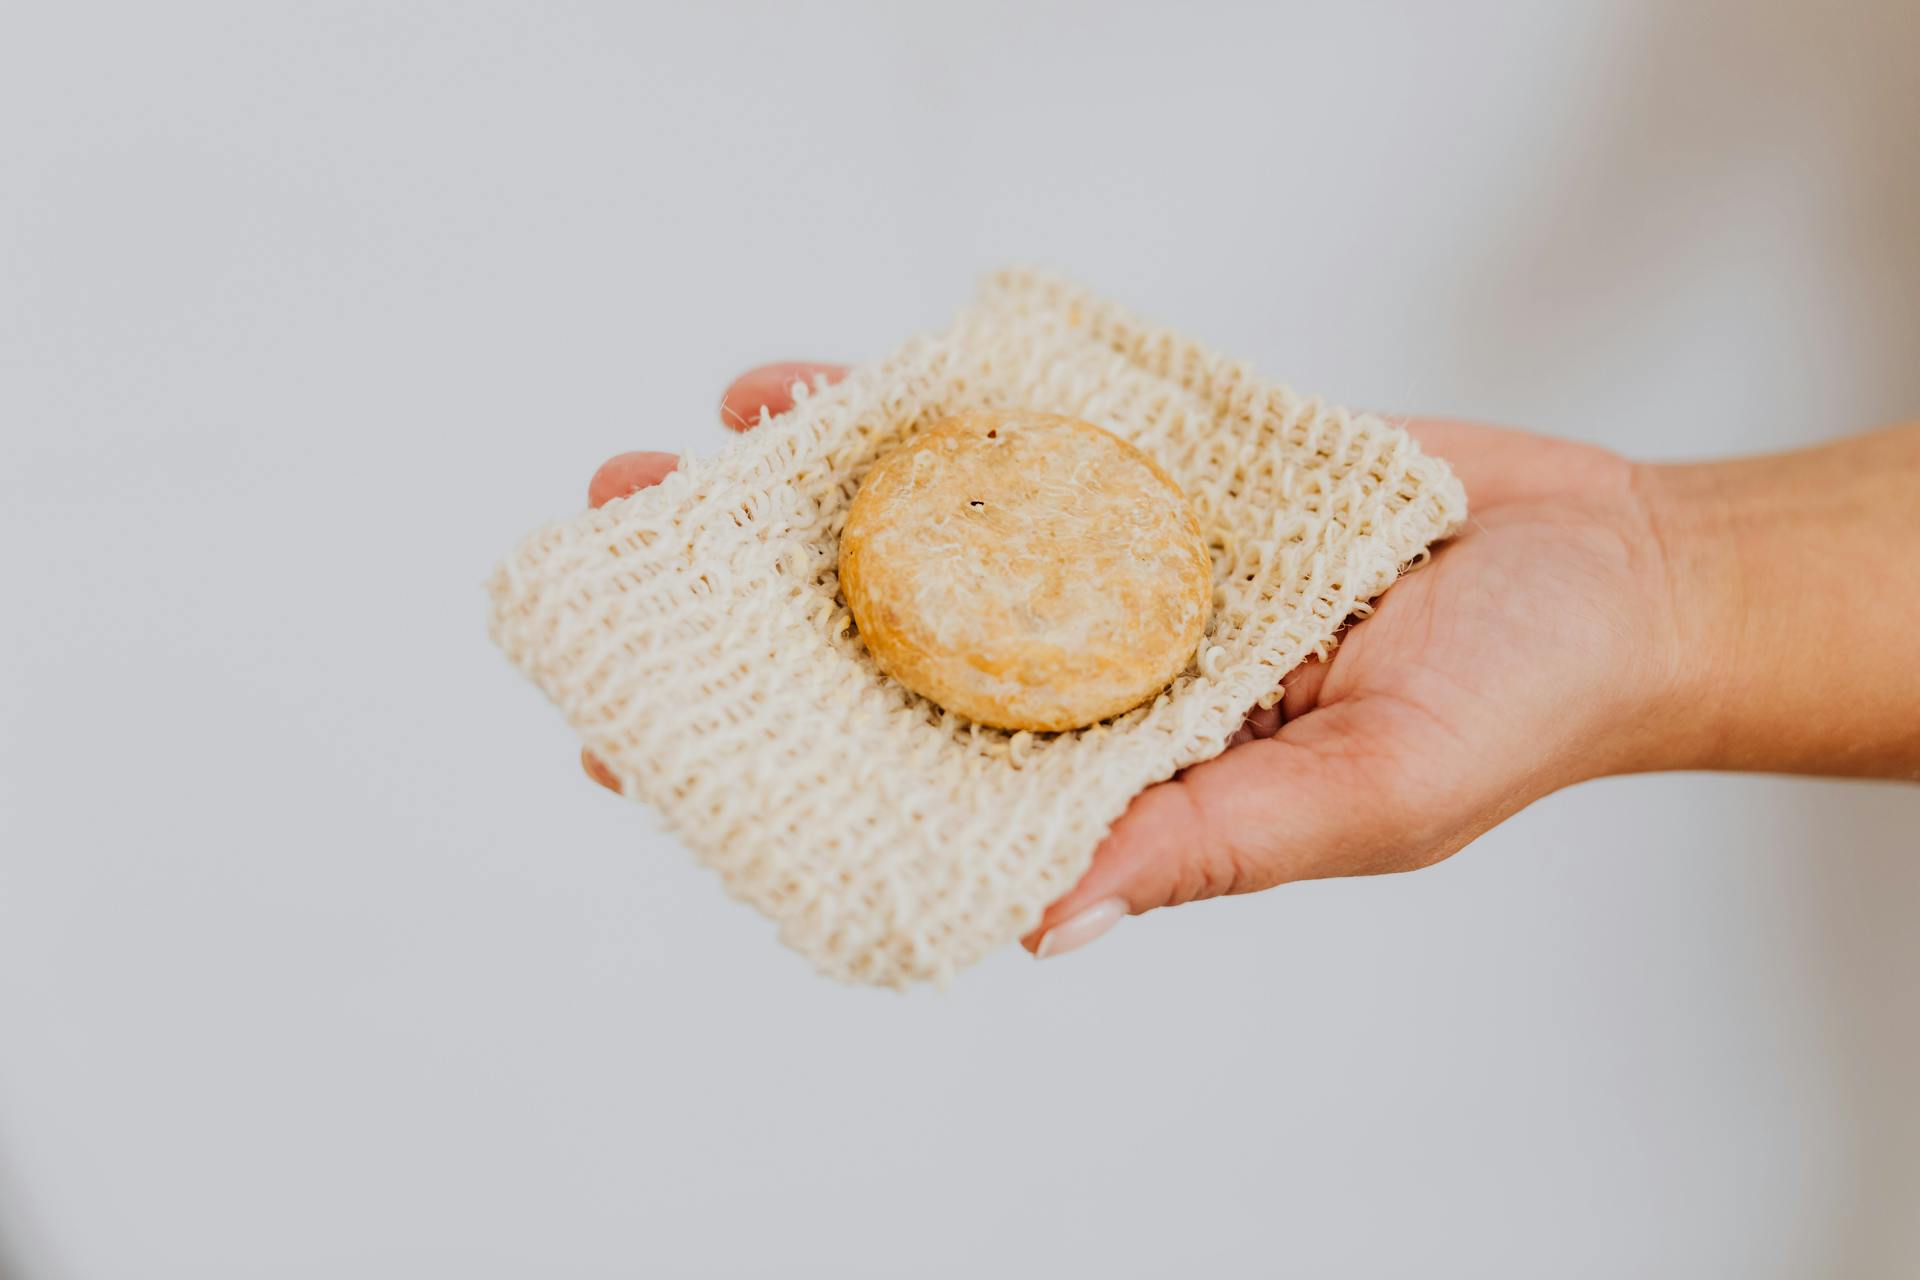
(1078, 930)
(599, 772)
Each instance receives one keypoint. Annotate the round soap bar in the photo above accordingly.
(1026, 570)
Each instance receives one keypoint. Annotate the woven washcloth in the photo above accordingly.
(694, 636)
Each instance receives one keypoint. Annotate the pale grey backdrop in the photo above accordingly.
(319, 958)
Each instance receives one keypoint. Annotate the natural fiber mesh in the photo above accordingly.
(694, 636)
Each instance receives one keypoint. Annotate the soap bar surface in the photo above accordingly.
(1027, 570)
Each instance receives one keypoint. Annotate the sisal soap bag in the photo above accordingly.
(694, 636)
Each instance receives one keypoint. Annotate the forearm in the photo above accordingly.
(1796, 591)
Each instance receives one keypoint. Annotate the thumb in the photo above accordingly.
(1333, 793)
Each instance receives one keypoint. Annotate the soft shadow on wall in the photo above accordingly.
(1785, 167)
(1859, 868)
(1859, 844)
(1730, 221)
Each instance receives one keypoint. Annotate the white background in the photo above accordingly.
(319, 958)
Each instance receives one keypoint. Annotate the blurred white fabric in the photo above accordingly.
(319, 957)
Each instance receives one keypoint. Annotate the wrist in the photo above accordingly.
(1701, 586)
(1794, 606)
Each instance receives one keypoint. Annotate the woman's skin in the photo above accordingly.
(1597, 616)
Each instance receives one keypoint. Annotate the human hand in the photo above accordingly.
(1581, 625)
(1514, 663)
(1537, 648)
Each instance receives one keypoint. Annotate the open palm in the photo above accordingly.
(1516, 662)
(1532, 651)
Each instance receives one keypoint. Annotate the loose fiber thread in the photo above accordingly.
(694, 637)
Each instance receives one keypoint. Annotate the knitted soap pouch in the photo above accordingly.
(694, 637)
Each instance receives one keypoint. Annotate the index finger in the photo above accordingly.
(770, 387)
